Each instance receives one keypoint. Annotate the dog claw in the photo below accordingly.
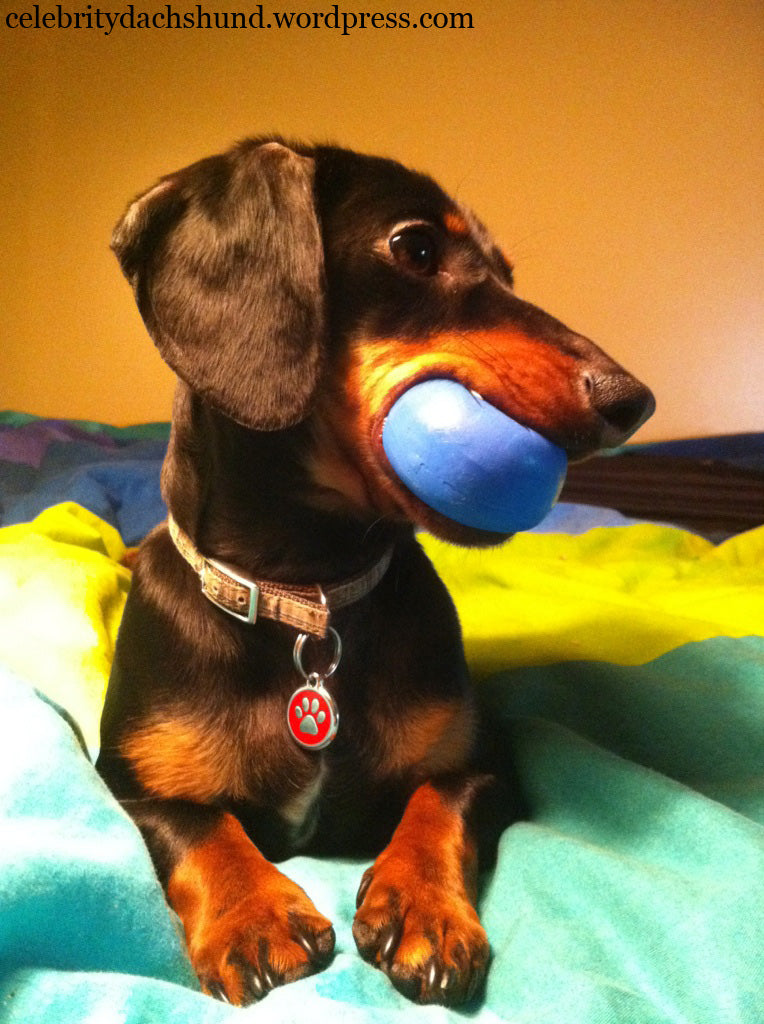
(308, 943)
(217, 991)
(319, 947)
(253, 987)
(434, 979)
(475, 984)
(363, 888)
(443, 982)
(269, 978)
(388, 942)
(250, 978)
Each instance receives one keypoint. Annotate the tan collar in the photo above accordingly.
(307, 608)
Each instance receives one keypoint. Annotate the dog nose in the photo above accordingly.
(623, 402)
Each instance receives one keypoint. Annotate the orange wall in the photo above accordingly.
(614, 147)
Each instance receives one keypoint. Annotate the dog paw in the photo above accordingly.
(424, 936)
(248, 927)
(250, 950)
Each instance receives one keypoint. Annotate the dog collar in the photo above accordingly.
(307, 608)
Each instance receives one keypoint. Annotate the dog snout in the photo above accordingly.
(622, 403)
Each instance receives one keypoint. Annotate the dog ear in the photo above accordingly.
(226, 261)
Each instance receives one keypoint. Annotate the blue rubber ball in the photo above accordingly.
(467, 460)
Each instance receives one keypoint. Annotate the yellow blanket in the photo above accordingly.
(62, 591)
(620, 594)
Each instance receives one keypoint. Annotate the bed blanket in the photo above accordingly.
(631, 895)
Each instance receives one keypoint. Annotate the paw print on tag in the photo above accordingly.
(312, 717)
(307, 711)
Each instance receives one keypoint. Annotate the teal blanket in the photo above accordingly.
(631, 895)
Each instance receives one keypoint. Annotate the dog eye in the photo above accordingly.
(416, 250)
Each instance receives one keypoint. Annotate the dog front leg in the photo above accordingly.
(248, 927)
(416, 917)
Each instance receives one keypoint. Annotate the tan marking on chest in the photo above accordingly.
(435, 738)
(183, 759)
(189, 758)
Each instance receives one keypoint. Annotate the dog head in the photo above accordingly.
(294, 285)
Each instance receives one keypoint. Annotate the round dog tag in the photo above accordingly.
(312, 716)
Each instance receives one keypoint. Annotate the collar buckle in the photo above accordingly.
(247, 599)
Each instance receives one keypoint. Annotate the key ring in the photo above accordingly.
(299, 644)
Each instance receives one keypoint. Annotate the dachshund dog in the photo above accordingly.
(297, 291)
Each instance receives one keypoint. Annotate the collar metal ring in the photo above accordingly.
(299, 644)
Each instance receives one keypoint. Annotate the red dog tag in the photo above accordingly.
(312, 716)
